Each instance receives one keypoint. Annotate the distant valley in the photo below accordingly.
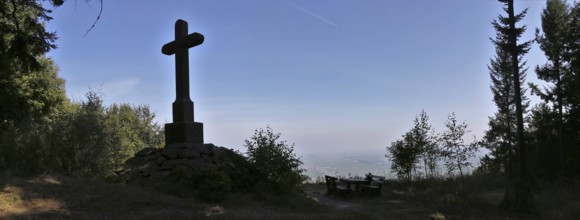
(346, 164)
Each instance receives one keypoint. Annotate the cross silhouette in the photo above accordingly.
(183, 128)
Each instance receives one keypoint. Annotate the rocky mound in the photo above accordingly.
(174, 167)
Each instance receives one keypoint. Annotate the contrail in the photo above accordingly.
(310, 13)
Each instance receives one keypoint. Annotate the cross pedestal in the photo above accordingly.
(183, 129)
(184, 132)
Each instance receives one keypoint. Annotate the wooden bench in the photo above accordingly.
(333, 188)
(375, 185)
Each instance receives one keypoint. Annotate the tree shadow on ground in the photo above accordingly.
(58, 197)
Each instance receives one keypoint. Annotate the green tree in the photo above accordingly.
(30, 104)
(404, 158)
(423, 138)
(31, 96)
(553, 41)
(573, 57)
(417, 145)
(455, 150)
(24, 41)
(500, 137)
(131, 129)
(84, 148)
(24, 36)
(518, 196)
(276, 166)
(544, 158)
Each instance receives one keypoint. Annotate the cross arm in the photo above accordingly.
(188, 41)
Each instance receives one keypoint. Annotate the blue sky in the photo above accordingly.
(331, 76)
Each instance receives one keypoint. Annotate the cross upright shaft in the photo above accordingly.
(183, 106)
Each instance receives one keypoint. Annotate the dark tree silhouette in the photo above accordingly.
(500, 138)
(23, 42)
(24, 36)
(455, 150)
(518, 196)
(423, 138)
(553, 41)
(403, 157)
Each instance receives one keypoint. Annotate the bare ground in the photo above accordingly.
(58, 197)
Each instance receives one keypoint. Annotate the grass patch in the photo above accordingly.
(9, 198)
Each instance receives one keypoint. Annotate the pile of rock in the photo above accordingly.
(174, 166)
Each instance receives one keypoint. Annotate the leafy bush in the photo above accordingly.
(212, 184)
(274, 164)
(238, 169)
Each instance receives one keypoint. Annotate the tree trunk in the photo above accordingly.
(560, 105)
(462, 179)
(425, 164)
(509, 134)
(517, 95)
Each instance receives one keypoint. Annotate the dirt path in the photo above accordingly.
(387, 206)
(320, 196)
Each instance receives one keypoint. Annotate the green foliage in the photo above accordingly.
(422, 136)
(212, 184)
(501, 70)
(553, 41)
(21, 146)
(131, 128)
(573, 56)
(79, 139)
(554, 126)
(238, 169)
(507, 41)
(500, 138)
(455, 151)
(82, 147)
(31, 96)
(273, 162)
(418, 144)
(403, 158)
(30, 103)
(544, 156)
(24, 37)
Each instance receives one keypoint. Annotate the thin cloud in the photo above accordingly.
(310, 13)
(120, 87)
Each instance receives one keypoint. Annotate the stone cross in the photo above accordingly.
(183, 129)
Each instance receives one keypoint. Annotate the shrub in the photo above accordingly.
(274, 163)
(238, 169)
(212, 184)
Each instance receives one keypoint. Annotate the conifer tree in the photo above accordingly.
(553, 41)
(518, 196)
(500, 139)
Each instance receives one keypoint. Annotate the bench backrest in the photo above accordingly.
(381, 178)
(331, 183)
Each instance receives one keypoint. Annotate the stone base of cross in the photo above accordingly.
(184, 132)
